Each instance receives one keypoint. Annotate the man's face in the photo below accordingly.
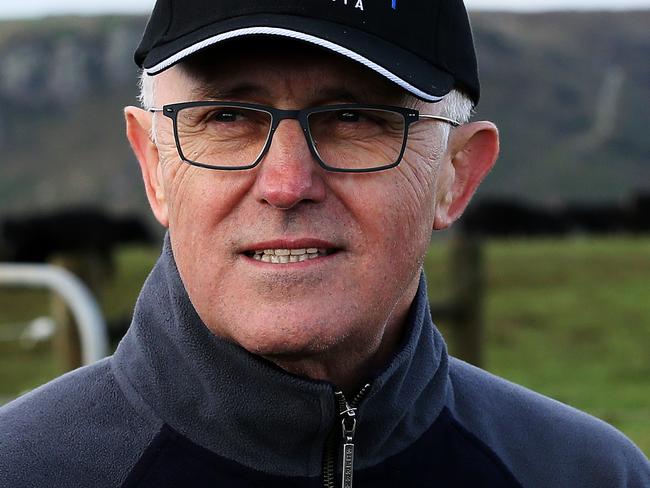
(375, 226)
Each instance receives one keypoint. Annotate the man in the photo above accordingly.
(300, 153)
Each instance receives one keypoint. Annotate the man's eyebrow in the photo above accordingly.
(206, 91)
(247, 91)
(340, 93)
(357, 95)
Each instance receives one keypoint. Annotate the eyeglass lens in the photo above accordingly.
(226, 136)
(222, 136)
(357, 139)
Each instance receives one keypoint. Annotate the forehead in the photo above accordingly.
(266, 67)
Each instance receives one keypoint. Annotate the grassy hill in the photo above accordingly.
(568, 90)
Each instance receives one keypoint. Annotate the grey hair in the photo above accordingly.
(457, 106)
(147, 98)
(147, 86)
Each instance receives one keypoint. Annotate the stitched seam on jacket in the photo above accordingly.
(482, 446)
(148, 458)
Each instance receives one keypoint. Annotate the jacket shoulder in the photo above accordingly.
(544, 442)
(78, 430)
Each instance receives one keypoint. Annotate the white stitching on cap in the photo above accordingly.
(295, 35)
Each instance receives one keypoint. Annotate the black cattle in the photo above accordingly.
(37, 238)
(509, 218)
(596, 218)
(639, 213)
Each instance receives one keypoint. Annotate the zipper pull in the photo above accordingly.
(349, 426)
(348, 416)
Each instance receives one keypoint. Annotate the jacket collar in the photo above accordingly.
(247, 410)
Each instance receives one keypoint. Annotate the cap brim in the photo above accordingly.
(398, 65)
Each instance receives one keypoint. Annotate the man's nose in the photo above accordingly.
(288, 174)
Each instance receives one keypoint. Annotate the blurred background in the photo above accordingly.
(546, 281)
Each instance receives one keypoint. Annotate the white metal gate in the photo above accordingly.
(88, 317)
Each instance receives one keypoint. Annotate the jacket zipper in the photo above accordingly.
(349, 418)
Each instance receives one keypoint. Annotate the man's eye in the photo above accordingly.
(349, 116)
(225, 116)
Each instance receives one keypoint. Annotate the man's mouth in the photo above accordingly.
(286, 256)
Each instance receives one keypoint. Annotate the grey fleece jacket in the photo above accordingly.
(175, 406)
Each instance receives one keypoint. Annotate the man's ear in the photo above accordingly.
(138, 131)
(471, 153)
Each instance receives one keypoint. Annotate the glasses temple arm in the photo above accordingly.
(442, 119)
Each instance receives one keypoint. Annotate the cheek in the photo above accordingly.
(167, 151)
(399, 198)
(413, 207)
(202, 204)
(163, 129)
(415, 188)
(180, 190)
(394, 208)
(199, 197)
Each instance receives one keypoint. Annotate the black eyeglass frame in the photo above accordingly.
(410, 116)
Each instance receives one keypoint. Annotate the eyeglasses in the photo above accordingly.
(348, 138)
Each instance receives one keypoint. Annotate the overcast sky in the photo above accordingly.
(31, 8)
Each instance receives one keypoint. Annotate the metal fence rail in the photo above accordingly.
(84, 308)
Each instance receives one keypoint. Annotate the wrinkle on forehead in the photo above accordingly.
(277, 69)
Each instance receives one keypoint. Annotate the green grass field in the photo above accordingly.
(569, 318)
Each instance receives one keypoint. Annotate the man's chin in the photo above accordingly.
(285, 342)
(268, 330)
(294, 349)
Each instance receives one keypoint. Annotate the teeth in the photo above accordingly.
(284, 256)
(291, 252)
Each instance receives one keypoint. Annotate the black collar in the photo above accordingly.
(246, 409)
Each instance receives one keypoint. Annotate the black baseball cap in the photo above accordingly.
(424, 46)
